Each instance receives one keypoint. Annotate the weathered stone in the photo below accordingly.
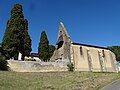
(63, 45)
(35, 66)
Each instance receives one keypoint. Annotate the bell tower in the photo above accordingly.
(63, 45)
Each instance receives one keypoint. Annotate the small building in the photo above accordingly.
(33, 56)
(84, 57)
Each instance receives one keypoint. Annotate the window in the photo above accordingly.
(60, 32)
(103, 53)
(60, 44)
(81, 51)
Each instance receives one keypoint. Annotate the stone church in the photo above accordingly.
(84, 57)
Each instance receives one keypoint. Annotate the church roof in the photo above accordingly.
(74, 43)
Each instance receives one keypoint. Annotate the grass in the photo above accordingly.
(55, 80)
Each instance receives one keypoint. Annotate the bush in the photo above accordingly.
(3, 63)
(70, 67)
(29, 59)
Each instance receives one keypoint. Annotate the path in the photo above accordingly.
(112, 86)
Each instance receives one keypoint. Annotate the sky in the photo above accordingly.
(94, 22)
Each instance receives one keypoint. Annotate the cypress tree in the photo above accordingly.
(0, 49)
(51, 51)
(13, 39)
(43, 47)
(27, 42)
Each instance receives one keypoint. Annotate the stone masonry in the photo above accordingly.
(63, 45)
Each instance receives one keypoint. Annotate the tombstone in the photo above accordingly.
(63, 44)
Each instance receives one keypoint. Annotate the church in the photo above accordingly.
(83, 56)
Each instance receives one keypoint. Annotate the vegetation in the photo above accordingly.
(27, 42)
(116, 50)
(16, 34)
(55, 80)
(3, 63)
(0, 48)
(70, 67)
(43, 48)
(51, 51)
(30, 59)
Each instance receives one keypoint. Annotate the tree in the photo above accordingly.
(116, 51)
(43, 47)
(0, 49)
(14, 37)
(51, 51)
(3, 63)
(27, 42)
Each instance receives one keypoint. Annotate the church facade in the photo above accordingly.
(84, 57)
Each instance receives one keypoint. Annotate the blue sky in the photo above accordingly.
(95, 22)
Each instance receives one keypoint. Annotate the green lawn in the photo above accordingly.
(55, 80)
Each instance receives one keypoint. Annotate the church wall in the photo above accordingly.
(110, 63)
(80, 61)
(93, 59)
(113, 62)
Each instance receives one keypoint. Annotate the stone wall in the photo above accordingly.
(36, 66)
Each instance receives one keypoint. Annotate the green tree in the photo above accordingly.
(51, 51)
(116, 51)
(13, 40)
(27, 42)
(0, 48)
(43, 47)
(3, 63)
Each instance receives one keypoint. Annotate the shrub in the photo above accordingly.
(3, 63)
(29, 59)
(70, 67)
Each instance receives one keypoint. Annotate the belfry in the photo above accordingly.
(63, 45)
